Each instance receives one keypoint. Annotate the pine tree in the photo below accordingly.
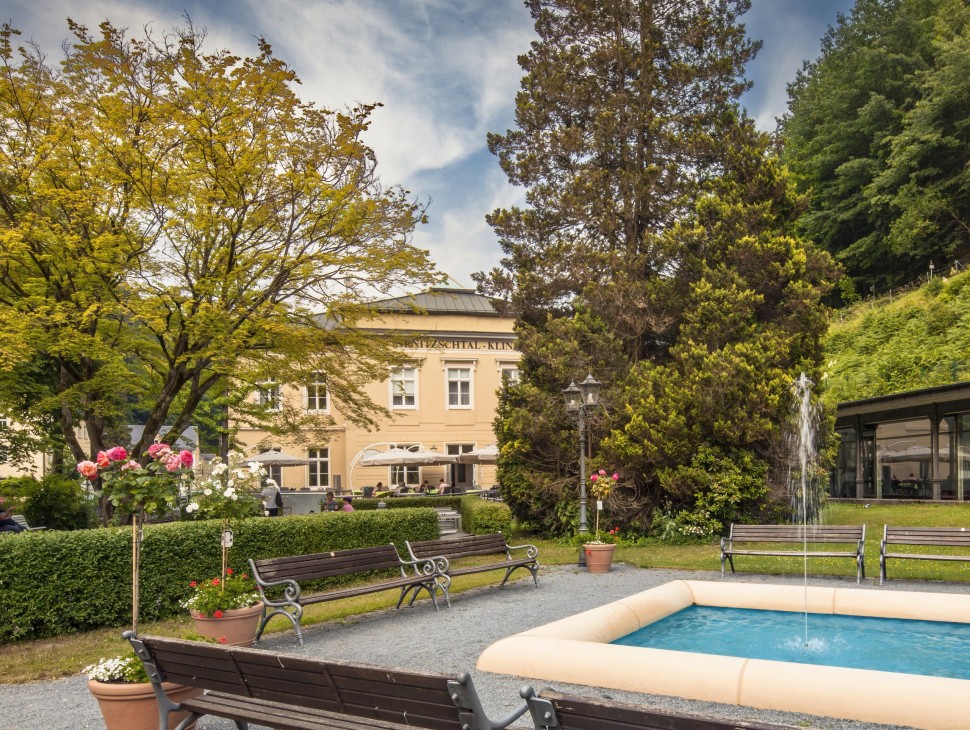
(654, 251)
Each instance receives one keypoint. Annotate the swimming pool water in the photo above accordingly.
(933, 648)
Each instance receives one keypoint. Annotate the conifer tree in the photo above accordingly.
(654, 251)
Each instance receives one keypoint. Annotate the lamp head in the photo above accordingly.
(590, 390)
(574, 398)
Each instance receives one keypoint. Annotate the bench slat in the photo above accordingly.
(191, 665)
(932, 538)
(802, 539)
(580, 713)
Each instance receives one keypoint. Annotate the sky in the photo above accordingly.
(446, 72)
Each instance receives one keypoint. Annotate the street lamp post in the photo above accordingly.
(579, 399)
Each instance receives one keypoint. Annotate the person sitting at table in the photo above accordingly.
(424, 487)
(7, 522)
(348, 507)
(331, 505)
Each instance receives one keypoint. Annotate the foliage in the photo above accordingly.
(56, 502)
(177, 225)
(720, 489)
(212, 597)
(226, 492)
(482, 517)
(151, 489)
(601, 485)
(915, 341)
(86, 573)
(657, 253)
(126, 669)
(876, 131)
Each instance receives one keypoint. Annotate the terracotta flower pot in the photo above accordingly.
(133, 706)
(598, 557)
(236, 625)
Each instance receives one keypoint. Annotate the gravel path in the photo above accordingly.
(451, 640)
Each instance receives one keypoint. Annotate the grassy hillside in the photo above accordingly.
(916, 340)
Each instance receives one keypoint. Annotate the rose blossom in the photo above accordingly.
(185, 456)
(172, 461)
(217, 614)
(117, 453)
(103, 460)
(87, 469)
(594, 477)
(156, 451)
(132, 464)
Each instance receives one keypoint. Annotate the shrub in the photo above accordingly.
(480, 517)
(55, 502)
(62, 582)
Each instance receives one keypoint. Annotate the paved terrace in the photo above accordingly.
(451, 640)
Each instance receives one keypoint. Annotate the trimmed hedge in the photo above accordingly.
(478, 516)
(56, 583)
(481, 517)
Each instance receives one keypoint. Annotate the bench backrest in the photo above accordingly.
(942, 536)
(564, 712)
(326, 565)
(460, 547)
(413, 698)
(798, 533)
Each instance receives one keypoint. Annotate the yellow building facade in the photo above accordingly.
(463, 350)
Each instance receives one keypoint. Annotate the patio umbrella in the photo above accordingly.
(277, 458)
(485, 455)
(402, 457)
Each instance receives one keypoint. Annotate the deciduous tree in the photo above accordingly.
(176, 224)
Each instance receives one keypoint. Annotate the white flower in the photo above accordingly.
(234, 497)
(191, 507)
(218, 469)
(207, 492)
(229, 493)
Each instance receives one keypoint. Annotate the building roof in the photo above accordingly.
(925, 402)
(442, 300)
(188, 440)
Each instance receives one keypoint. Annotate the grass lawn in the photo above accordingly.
(67, 655)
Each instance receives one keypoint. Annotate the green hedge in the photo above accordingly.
(446, 500)
(480, 516)
(61, 582)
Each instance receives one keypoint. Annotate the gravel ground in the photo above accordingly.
(451, 640)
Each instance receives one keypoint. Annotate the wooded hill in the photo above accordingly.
(918, 340)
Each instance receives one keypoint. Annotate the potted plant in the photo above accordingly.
(226, 610)
(227, 606)
(126, 696)
(599, 551)
(139, 490)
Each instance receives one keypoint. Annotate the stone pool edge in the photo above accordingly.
(576, 650)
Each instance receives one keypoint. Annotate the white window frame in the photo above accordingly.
(398, 376)
(459, 376)
(319, 456)
(269, 394)
(315, 388)
(505, 374)
(456, 363)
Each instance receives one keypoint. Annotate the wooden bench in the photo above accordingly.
(443, 552)
(296, 693)
(22, 521)
(802, 542)
(288, 573)
(955, 537)
(551, 710)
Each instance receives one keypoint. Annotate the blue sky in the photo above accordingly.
(445, 71)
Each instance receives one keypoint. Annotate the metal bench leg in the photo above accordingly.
(293, 616)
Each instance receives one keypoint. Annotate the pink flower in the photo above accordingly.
(192, 584)
(223, 639)
(603, 472)
(217, 614)
(117, 453)
(157, 451)
(228, 571)
(594, 477)
(185, 456)
(87, 469)
(616, 477)
(215, 581)
(130, 465)
(173, 462)
(103, 460)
